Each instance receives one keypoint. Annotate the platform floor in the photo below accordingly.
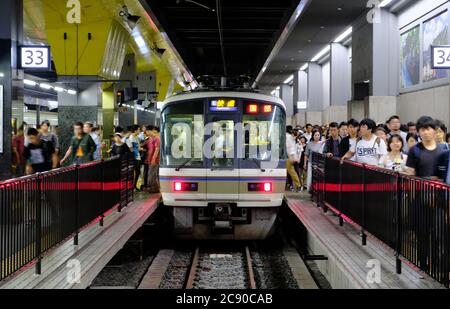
(347, 257)
(97, 246)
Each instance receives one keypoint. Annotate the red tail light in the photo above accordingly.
(179, 186)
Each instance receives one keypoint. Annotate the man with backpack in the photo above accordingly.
(368, 149)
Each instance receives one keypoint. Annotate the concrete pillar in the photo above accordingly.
(340, 75)
(300, 89)
(373, 46)
(81, 107)
(11, 79)
(287, 95)
(315, 94)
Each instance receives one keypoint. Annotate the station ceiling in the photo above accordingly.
(250, 30)
(321, 23)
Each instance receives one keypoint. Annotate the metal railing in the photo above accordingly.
(408, 214)
(41, 211)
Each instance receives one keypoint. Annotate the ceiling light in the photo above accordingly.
(385, 3)
(72, 92)
(59, 89)
(45, 86)
(2, 75)
(29, 82)
(322, 53)
(304, 67)
(343, 35)
(289, 80)
(264, 69)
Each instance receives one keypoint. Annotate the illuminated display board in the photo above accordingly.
(223, 105)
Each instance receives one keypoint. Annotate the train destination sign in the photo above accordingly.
(223, 105)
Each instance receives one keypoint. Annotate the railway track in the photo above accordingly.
(224, 270)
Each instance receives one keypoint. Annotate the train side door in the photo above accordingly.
(222, 166)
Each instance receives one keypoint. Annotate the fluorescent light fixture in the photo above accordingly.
(72, 92)
(45, 86)
(322, 53)
(367, 81)
(59, 89)
(289, 80)
(29, 82)
(2, 74)
(264, 69)
(385, 3)
(304, 67)
(344, 35)
(302, 105)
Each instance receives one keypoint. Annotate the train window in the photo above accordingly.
(223, 146)
(183, 135)
(261, 131)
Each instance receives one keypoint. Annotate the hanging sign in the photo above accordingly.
(440, 57)
(33, 58)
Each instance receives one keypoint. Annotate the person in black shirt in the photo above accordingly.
(334, 146)
(40, 155)
(120, 148)
(423, 158)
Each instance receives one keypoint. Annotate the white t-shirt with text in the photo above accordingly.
(369, 152)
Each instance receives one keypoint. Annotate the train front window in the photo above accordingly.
(183, 135)
(264, 134)
(223, 146)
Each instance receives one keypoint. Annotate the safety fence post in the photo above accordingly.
(398, 227)
(341, 219)
(102, 195)
(77, 206)
(39, 225)
(363, 219)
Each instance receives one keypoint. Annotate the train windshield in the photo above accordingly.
(264, 134)
(183, 135)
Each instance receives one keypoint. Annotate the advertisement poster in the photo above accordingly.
(435, 32)
(410, 58)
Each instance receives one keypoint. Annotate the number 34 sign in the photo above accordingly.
(440, 57)
(35, 58)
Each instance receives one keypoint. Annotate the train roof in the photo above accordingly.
(224, 94)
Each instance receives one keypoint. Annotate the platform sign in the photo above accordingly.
(1, 118)
(223, 105)
(440, 57)
(35, 58)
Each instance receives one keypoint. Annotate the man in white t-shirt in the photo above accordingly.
(368, 149)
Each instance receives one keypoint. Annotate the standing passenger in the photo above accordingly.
(369, 148)
(292, 159)
(315, 145)
(82, 147)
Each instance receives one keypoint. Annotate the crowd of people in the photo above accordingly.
(37, 150)
(419, 148)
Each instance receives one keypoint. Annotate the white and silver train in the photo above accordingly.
(225, 193)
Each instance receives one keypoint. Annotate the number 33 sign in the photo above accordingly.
(440, 57)
(34, 58)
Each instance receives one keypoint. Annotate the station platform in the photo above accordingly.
(346, 266)
(97, 246)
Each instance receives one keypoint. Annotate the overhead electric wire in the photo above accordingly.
(222, 48)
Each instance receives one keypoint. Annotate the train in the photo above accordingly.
(223, 163)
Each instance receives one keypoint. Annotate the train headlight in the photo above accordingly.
(179, 186)
(268, 187)
(260, 187)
